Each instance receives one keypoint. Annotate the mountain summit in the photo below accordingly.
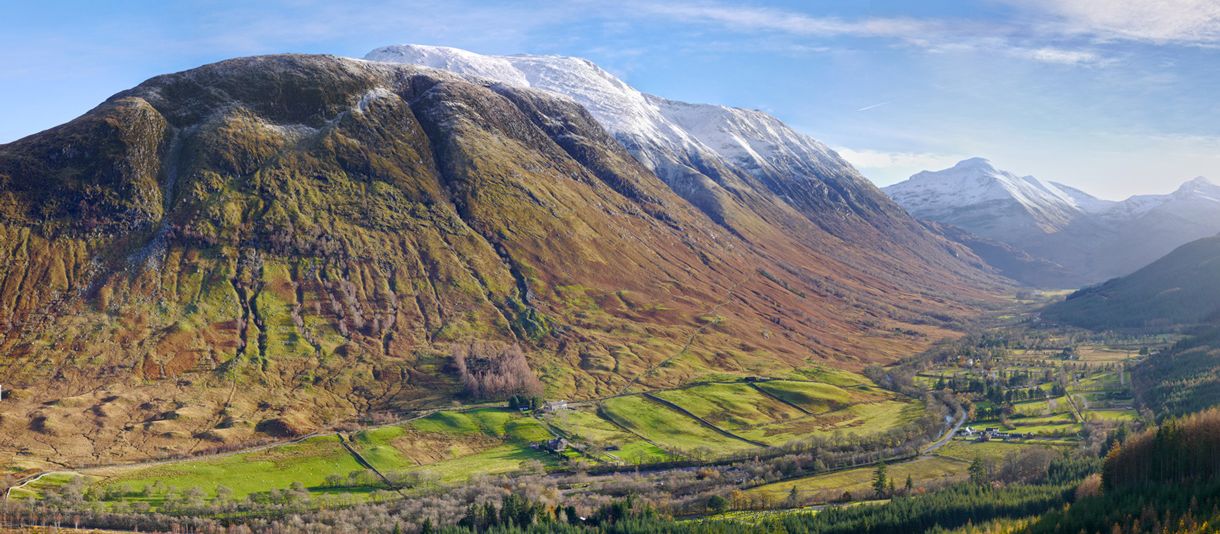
(990, 202)
(719, 158)
(1083, 238)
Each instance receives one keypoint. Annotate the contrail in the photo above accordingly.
(874, 106)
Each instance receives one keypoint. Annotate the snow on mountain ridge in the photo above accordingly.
(649, 124)
(947, 194)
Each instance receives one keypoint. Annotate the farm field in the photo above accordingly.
(669, 429)
(780, 412)
(455, 445)
(308, 462)
(605, 441)
(858, 482)
(447, 447)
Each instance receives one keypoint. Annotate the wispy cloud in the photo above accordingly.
(749, 18)
(873, 106)
(930, 34)
(1160, 21)
(1060, 56)
(886, 168)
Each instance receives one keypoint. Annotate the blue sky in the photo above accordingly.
(1115, 96)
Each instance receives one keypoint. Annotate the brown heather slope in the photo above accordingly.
(267, 246)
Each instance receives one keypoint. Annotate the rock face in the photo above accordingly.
(1075, 239)
(264, 246)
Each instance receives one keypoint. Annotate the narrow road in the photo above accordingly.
(945, 439)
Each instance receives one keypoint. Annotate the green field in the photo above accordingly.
(861, 419)
(450, 446)
(859, 481)
(456, 445)
(968, 450)
(37, 488)
(308, 462)
(669, 429)
(606, 441)
(816, 397)
(731, 406)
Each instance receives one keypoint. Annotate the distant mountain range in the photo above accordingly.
(1074, 238)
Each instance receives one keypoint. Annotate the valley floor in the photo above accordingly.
(803, 441)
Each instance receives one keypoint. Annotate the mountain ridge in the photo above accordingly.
(1090, 238)
(272, 245)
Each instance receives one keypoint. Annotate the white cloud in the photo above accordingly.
(886, 168)
(770, 19)
(1159, 21)
(932, 35)
(1057, 55)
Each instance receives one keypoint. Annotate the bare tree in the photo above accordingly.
(494, 371)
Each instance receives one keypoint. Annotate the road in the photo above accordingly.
(945, 439)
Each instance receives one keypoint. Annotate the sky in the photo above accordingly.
(1117, 97)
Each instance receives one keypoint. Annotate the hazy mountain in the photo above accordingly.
(1090, 238)
(1181, 289)
(267, 245)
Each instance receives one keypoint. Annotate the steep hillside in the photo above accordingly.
(1181, 289)
(1008, 260)
(1090, 239)
(265, 246)
(1183, 378)
(746, 170)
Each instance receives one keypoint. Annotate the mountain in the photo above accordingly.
(1008, 260)
(1084, 239)
(736, 165)
(1084, 201)
(1181, 289)
(1180, 292)
(992, 203)
(269, 246)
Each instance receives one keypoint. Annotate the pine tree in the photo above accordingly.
(880, 481)
(978, 472)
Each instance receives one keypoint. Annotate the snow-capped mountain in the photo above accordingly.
(987, 201)
(697, 148)
(1086, 202)
(1088, 238)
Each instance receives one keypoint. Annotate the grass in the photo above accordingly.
(668, 428)
(859, 481)
(967, 451)
(455, 444)
(494, 461)
(618, 446)
(38, 488)
(1113, 415)
(308, 462)
(732, 406)
(861, 419)
(812, 396)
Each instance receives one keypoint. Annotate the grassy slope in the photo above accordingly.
(859, 481)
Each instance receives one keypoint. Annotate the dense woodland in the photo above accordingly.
(1184, 378)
